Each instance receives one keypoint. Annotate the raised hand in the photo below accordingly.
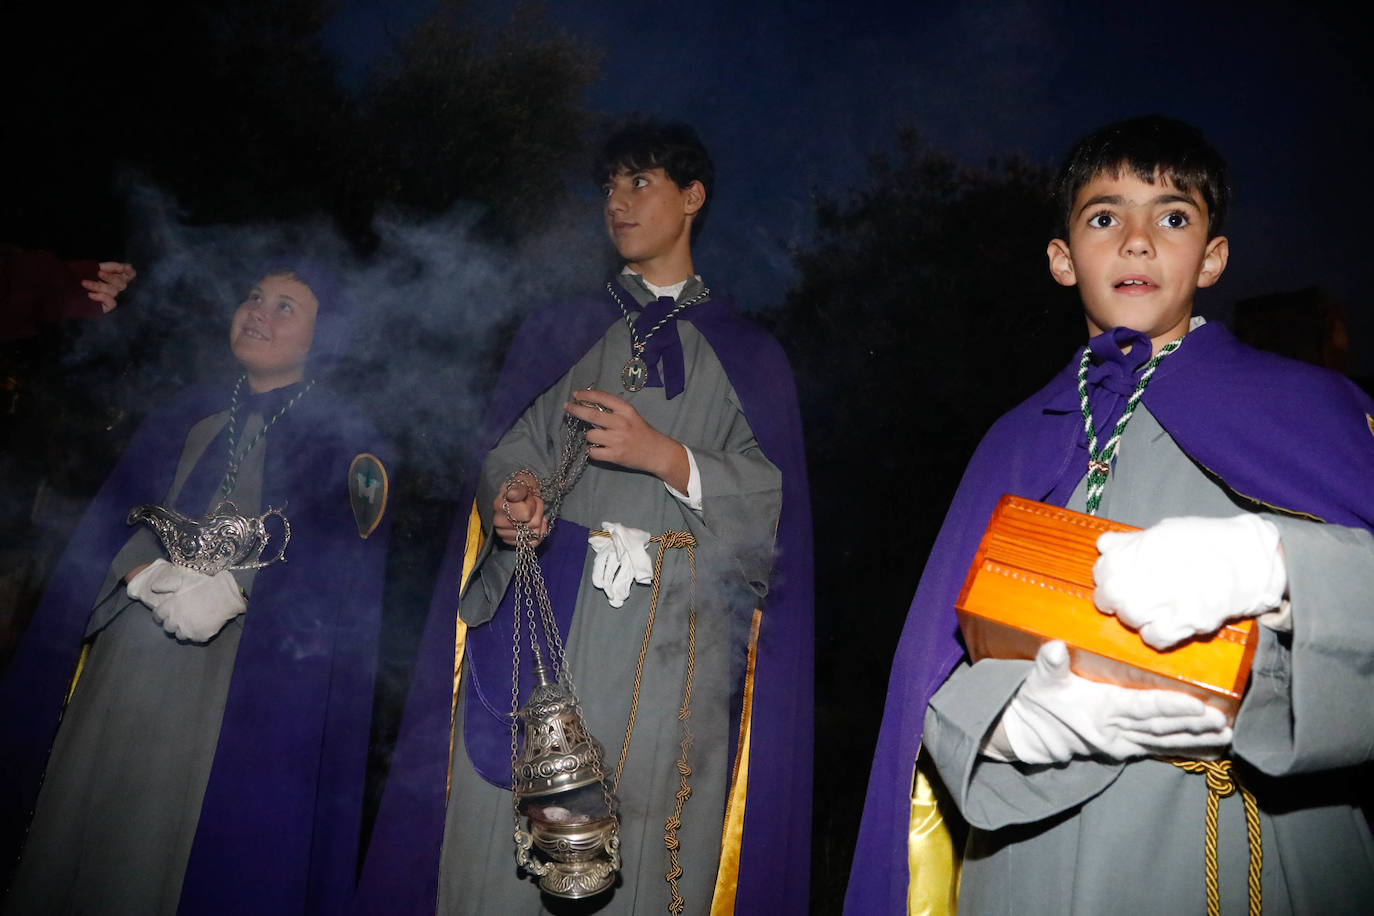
(620, 436)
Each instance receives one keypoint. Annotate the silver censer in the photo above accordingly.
(560, 788)
(222, 540)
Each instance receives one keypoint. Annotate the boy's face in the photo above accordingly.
(272, 330)
(648, 217)
(1137, 252)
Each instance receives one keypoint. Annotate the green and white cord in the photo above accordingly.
(1100, 462)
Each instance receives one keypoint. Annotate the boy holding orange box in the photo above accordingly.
(1090, 797)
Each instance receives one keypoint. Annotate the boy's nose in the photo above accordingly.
(1137, 242)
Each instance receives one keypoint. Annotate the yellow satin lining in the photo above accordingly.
(472, 547)
(732, 832)
(933, 863)
(76, 675)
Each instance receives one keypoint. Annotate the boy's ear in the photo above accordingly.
(1213, 261)
(1061, 263)
(695, 197)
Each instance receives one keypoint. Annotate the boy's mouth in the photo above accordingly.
(255, 333)
(1134, 283)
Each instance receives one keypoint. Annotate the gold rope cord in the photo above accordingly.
(684, 714)
(1221, 782)
(666, 541)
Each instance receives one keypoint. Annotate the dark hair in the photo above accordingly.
(638, 144)
(1147, 146)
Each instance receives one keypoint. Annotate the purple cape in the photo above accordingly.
(400, 874)
(278, 830)
(1289, 435)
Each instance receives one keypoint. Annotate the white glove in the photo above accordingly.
(621, 560)
(202, 606)
(158, 581)
(1056, 715)
(1187, 576)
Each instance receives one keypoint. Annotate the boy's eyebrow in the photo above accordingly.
(1116, 200)
(627, 172)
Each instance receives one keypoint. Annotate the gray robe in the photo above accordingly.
(114, 823)
(1094, 836)
(735, 529)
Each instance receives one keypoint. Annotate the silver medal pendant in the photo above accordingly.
(635, 375)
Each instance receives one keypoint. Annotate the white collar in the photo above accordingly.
(671, 291)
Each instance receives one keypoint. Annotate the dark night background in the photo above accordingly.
(880, 205)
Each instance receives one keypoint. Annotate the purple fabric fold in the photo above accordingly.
(1287, 435)
(400, 873)
(664, 345)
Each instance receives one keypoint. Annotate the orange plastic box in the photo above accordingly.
(1032, 581)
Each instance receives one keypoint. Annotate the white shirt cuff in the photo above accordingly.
(692, 498)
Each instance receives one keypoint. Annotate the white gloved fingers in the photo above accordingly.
(612, 582)
(623, 581)
(1268, 569)
(1185, 725)
(1188, 576)
(198, 612)
(160, 580)
(1052, 660)
(606, 567)
(228, 591)
(174, 579)
(605, 564)
(1165, 633)
(1114, 573)
(1056, 715)
(1037, 745)
(137, 587)
(160, 615)
(1144, 704)
(1210, 737)
(1035, 735)
(621, 561)
(1156, 712)
(1208, 744)
(632, 546)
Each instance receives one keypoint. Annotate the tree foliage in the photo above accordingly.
(236, 109)
(927, 293)
(923, 310)
(461, 112)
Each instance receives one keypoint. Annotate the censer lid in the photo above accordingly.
(560, 754)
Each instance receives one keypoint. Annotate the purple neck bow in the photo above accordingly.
(664, 344)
